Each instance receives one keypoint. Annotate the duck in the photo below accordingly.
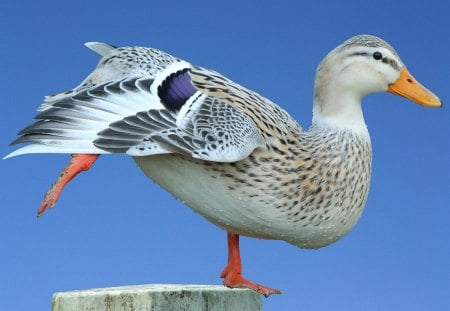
(232, 155)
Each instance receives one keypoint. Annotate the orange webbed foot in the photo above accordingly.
(77, 164)
(232, 274)
(235, 280)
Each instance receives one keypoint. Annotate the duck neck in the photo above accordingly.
(338, 109)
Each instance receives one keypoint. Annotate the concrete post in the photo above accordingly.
(158, 297)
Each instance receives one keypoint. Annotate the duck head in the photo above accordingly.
(360, 66)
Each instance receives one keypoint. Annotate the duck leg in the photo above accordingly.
(78, 164)
(232, 274)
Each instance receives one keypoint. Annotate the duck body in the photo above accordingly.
(304, 187)
(232, 155)
(308, 200)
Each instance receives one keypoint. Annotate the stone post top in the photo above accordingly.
(154, 288)
(158, 297)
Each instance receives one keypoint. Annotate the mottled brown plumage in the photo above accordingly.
(308, 189)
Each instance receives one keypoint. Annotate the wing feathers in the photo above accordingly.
(153, 108)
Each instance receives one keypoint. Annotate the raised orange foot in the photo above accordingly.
(78, 164)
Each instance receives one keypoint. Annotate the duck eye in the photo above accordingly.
(377, 55)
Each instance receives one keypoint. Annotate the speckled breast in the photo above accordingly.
(309, 196)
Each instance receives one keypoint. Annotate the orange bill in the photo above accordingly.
(408, 87)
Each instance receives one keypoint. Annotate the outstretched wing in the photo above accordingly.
(142, 101)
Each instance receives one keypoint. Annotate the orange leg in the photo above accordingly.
(232, 274)
(78, 164)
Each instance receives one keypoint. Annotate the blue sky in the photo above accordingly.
(114, 227)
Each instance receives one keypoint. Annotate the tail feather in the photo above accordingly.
(100, 47)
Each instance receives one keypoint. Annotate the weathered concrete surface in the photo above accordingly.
(158, 297)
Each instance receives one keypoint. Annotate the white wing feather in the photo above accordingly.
(150, 107)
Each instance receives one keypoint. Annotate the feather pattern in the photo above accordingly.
(149, 107)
